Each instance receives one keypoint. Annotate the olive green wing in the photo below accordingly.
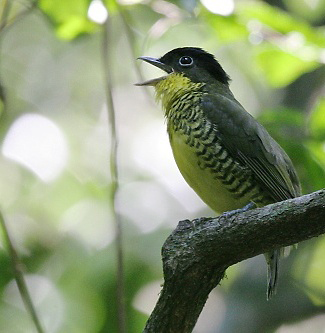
(250, 144)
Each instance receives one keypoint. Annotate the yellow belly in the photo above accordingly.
(202, 181)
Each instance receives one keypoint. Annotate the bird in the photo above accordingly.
(226, 156)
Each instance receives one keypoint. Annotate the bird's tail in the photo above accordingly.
(272, 260)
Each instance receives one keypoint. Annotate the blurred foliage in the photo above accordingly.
(69, 17)
(54, 166)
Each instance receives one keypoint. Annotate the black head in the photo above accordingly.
(190, 60)
(194, 62)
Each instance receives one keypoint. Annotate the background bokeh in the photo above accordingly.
(55, 155)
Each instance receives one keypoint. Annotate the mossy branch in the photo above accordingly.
(197, 253)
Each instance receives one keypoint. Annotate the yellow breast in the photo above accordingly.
(180, 99)
(211, 190)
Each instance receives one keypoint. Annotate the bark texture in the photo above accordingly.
(197, 253)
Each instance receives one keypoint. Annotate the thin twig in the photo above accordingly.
(5, 14)
(114, 178)
(15, 261)
(126, 18)
(5, 23)
(19, 277)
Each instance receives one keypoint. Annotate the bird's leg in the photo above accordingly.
(249, 206)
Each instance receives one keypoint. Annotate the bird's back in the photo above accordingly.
(222, 152)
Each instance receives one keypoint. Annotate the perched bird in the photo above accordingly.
(223, 153)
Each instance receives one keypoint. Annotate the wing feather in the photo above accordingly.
(251, 145)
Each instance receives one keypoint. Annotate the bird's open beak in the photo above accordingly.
(156, 62)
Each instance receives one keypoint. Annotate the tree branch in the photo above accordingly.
(197, 253)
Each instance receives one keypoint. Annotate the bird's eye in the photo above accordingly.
(185, 61)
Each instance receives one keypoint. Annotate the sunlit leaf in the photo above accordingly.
(280, 67)
(75, 26)
(111, 6)
(226, 29)
(69, 17)
(281, 21)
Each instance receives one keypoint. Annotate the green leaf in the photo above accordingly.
(112, 6)
(280, 67)
(289, 46)
(282, 117)
(75, 26)
(281, 21)
(69, 17)
(311, 168)
(287, 127)
(317, 151)
(227, 29)
(317, 121)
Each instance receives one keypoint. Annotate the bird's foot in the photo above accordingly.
(249, 206)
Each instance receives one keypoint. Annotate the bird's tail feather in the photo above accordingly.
(272, 259)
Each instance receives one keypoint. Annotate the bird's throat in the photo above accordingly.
(173, 87)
